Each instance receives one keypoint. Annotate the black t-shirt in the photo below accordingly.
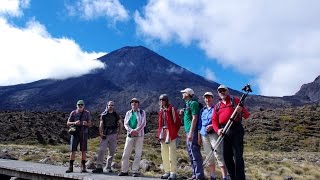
(110, 122)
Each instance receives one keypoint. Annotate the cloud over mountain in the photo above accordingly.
(276, 41)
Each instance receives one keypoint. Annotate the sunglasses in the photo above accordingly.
(80, 104)
(134, 102)
(110, 105)
(222, 90)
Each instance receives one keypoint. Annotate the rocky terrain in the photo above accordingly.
(279, 142)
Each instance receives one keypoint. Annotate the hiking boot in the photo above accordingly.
(97, 170)
(70, 169)
(123, 174)
(173, 177)
(135, 174)
(83, 168)
(165, 176)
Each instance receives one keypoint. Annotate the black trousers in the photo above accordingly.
(233, 152)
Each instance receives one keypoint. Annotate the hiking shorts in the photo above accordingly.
(79, 139)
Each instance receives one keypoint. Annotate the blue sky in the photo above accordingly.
(270, 44)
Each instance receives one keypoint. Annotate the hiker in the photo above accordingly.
(209, 137)
(168, 127)
(109, 123)
(81, 119)
(190, 119)
(233, 141)
(134, 123)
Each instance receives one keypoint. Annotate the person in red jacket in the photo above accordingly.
(169, 125)
(233, 141)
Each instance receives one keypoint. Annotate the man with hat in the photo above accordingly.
(190, 119)
(209, 137)
(80, 118)
(233, 141)
(169, 125)
(134, 123)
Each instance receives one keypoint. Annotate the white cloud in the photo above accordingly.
(209, 74)
(31, 53)
(92, 9)
(13, 7)
(276, 41)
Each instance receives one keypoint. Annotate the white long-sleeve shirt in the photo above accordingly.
(141, 121)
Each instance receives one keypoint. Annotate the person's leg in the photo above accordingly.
(219, 154)
(126, 154)
(165, 160)
(74, 141)
(206, 142)
(228, 156)
(102, 151)
(197, 157)
(112, 139)
(173, 159)
(138, 152)
(189, 147)
(83, 149)
(238, 153)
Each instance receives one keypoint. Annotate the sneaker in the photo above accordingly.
(123, 174)
(97, 170)
(165, 176)
(135, 174)
(213, 178)
(109, 170)
(173, 177)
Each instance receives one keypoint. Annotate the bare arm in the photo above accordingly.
(120, 126)
(101, 127)
(193, 123)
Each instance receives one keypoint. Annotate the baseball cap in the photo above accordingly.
(80, 102)
(134, 100)
(222, 87)
(188, 91)
(208, 94)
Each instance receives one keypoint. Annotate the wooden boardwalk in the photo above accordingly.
(37, 171)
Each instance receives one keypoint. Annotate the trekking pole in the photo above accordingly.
(225, 130)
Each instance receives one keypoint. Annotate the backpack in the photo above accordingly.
(146, 129)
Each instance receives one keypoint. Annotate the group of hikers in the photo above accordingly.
(202, 125)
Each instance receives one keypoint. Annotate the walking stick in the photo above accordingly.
(225, 130)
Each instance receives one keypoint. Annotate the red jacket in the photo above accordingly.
(225, 111)
(172, 120)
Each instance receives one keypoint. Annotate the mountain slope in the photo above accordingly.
(129, 72)
(310, 90)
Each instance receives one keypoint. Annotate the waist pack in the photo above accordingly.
(72, 130)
